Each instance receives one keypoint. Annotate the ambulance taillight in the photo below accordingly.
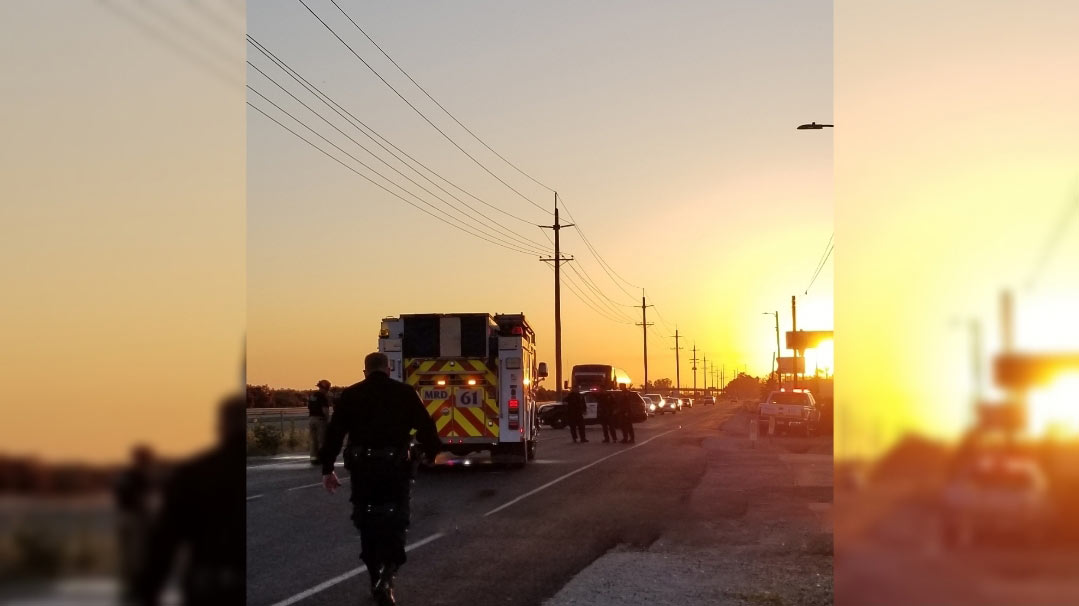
(515, 409)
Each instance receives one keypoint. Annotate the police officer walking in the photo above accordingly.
(575, 406)
(378, 414)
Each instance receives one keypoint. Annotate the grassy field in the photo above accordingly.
(276, 435)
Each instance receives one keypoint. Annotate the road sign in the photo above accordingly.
(789, 366)
(807, 339)
(1022, 370)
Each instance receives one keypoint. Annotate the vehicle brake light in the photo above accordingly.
(471, 381)
(441, 381)
(514, 417)
(517, 330)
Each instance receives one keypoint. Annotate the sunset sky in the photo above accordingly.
(667, 129)
(956, 155)
(155, 221)
(121, 227)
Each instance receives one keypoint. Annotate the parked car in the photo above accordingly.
(657, 403)
(995, 496)
(663, 404)
(552, 414)
(638, 410)
(791, 410)
(649, 405)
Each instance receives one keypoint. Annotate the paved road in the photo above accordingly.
(481, 534)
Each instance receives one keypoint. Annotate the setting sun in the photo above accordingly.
(820, 358)
(1055, 409)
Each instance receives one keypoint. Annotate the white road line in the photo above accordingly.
(574, 472)
(343, 480)
(348, 575)
(253, 497)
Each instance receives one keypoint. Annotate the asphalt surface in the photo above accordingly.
(481, 533)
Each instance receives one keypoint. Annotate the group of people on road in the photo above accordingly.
(614, 411)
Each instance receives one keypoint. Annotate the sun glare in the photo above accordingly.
(1055, 409)
(820, 359)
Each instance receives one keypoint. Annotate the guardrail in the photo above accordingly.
(295, 417)
(293, 410)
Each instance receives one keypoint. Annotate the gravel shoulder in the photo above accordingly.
(756, 530)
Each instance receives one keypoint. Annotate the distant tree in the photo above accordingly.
(546, 395)
(259, 396)
(744, 387)
(662, 384)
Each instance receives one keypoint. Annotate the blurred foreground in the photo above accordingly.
(988, 521)
(78, 534)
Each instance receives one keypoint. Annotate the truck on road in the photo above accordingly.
(790, 410)
(476, 373)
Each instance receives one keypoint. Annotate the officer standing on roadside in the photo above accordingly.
(605, 412)
(378, 414)
(626, 405)
(318, 412)
(575, 406)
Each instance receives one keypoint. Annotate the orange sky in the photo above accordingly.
(955, 158)
(122, 234)
(699, 190)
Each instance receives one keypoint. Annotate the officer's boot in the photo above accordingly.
(384, 591)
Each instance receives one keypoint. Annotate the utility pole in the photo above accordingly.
(644, 324)
(677, 358)
(794, 328)
(704, 371)
(558, 260)
(723, 376)
(694, 368)
(775, 362)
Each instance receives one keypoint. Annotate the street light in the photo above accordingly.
(776, 314)
(814, 126)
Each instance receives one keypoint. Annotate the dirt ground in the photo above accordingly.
(756, 530)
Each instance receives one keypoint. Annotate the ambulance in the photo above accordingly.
(477, 376)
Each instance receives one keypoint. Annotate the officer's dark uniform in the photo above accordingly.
(575, 416)
(625, 406)
(378, 415)
(203, 510)
(605, 412)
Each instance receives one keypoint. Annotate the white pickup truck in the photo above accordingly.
(792, 410)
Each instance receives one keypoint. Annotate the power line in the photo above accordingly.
(666, 325)
(505, 230)
(1053, 242)
(379, 185)
(823, 259)
(611, 273)
(415, 109)
(574, 289)
(360, 125)
(600, 296)
(435, 101)
(828, 255)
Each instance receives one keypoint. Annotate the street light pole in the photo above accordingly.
(776, 371)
